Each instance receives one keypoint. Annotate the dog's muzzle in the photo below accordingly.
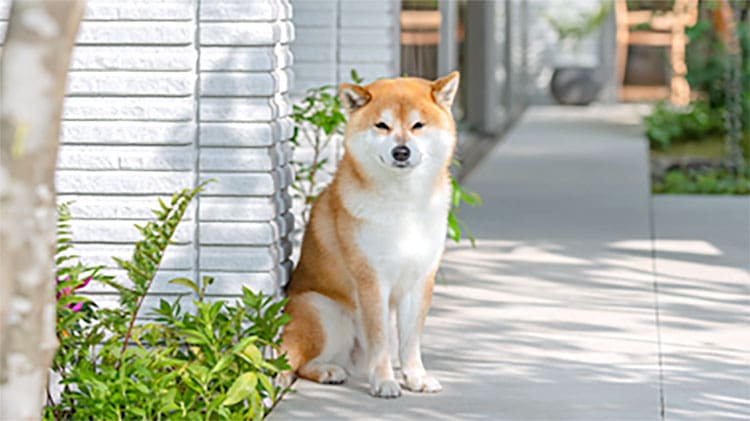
(400, 156)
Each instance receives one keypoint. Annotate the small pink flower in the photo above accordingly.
(67, 291)
(84, 283)
(64, 291)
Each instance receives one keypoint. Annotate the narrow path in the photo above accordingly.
(552, 315)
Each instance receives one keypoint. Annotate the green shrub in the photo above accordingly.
(706, 181)
(213, 362)
(667, 125)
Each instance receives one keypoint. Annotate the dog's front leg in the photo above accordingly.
(412, 311)
(375, 317)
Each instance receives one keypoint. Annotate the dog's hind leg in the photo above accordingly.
(319, 338)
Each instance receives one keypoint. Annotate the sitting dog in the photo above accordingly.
(375, 238)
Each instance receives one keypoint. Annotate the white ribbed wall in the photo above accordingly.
(161, 95)
(335, 36)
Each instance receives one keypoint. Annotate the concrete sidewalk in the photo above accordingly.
(565, 310)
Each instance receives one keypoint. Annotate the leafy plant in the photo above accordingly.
(212, 362)
(666, 124)
(577, 27)
(708, 181)
(320, 122)
(456, 227)
(319, 119)
(74, 312)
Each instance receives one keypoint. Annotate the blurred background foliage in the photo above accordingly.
(704, 147)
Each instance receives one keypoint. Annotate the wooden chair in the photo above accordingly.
(665, 29)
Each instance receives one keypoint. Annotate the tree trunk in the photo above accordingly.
(33, 69)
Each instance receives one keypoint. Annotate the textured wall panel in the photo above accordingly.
(163, 95)
(244, 77)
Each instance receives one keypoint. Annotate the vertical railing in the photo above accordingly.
(495, 64)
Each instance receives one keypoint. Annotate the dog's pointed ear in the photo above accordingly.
(353, 97)
(444, 89)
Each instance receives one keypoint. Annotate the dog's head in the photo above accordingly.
(401, 123)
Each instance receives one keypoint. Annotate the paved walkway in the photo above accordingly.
(554, 314)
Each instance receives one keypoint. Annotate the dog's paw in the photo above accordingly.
(285, 379)
(385, 388)
(332, 374)
(422, 383)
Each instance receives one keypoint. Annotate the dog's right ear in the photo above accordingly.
(353, 97)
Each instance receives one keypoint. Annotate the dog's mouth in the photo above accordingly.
(396, 164)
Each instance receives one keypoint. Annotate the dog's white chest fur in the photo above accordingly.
(402, 234)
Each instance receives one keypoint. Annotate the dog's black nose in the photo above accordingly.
(400, 153)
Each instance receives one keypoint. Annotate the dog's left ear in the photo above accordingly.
(444, 89)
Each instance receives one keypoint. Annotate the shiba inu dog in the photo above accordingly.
(375, 238)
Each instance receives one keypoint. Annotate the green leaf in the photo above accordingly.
(224, 413)
(185, 282)
(255, 406)
(454, 230)
(252, 352)
(244, 343)
(163, 206)
(223, 363)
(169, 407)
(72, 299)
(137, 411)
(355, 77)
(268, 386)
(199, 373)
(241, 388)
(194, 337)
(470, 198)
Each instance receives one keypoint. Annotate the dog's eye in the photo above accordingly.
(382, 126)
(417, 125)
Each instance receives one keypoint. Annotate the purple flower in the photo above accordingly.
(68, 291)
(64, 291)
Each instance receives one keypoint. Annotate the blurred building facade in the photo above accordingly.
(336, 36)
